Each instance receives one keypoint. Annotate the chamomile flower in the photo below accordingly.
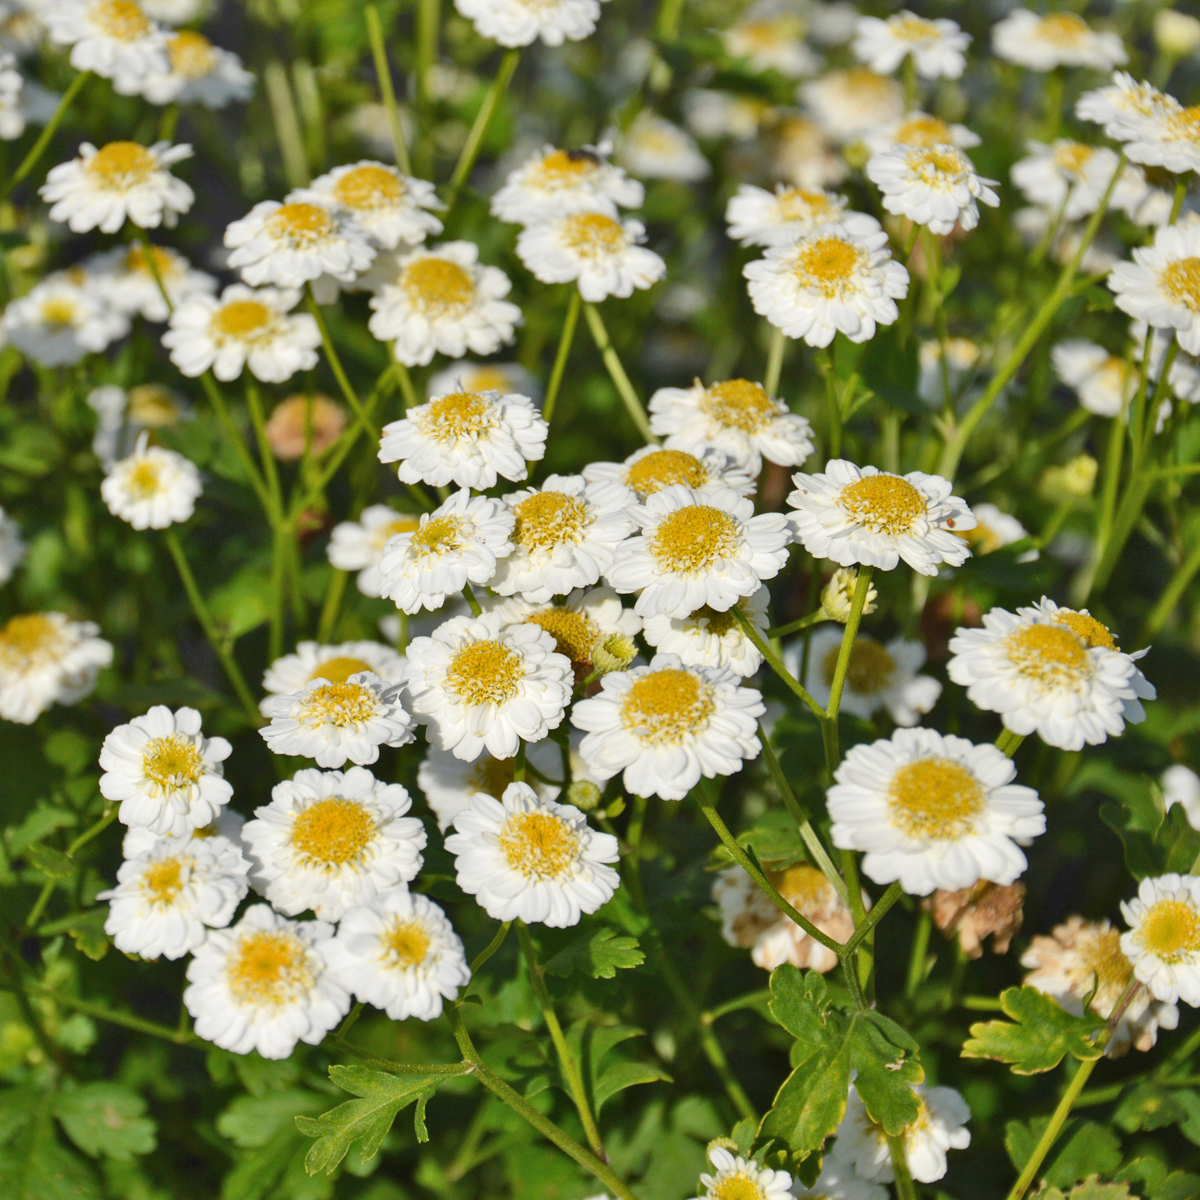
(656, 148)
(1126, 107)
(566, 533)
(707, 638)
(245, 327)
(938, 48)
(735, 416)
(265, 985)
(227, 826)
(1184, 374)
(528, 859)
(1058, 39)
(937, 187)
(123, 276)
(848, 104)
(393, 208)
(712, 113)
(481, 685)
(742, 1178)
(335, 664)
(197, 72)
(1181, 785)
(1073, 177)
(61, 320)
(23, 102)
(518, 23)
(862, 515)
(664, 726)
(649, 469)
(113, 38)
(1050, 671)
(444, 301)
(757, 217)
(696, 549)
(336, 722)
(462, 375)
(1103, 382)
(994, 529)
(963, 359)
(554, 183)
(169, 896)
(165, 773)
(804, 155)
(332, 841)
(919, 129)
(879, 677)
(771, 40)
(1163, 940)
(839, 1181)
(400, 953)
(837, 279)
(45, 659)
(467, 438)
(153, 488)
(1162, 284)
(12, 547)
(358, 545)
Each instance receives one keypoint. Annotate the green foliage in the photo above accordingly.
(1038, 1036)
(600, 955)
(105, 1118)
(1083, 1148)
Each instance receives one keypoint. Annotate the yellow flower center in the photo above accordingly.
(548, 519)
(369, 188)
(135, 261)
(910, 28)
(719, 623)
(923, 131)
(438, 536)
(1171, 930)
(1185, 124)
(269, 967)
(1103, 959)
(565, 168)
(737, 1187)
(1072, 157)
(803, 887)
(883, 503)
(404, 524)
(865, 87)
(333, 831)
(163, 880)
(437, 287)
(935, 798)
(191, 54)
(122, 20)
(574, 633)
(493, 775)
(241, 321)
(171, 763)
(144, 479)
(869, 671)
(539, 845)
(120, 166)
(1181, 282)
(151, 404)
(797, 204)
(1086, 628)
(983, 539)
(828, 265)
(933, 166)
(58, 310)
(738, 404)
(694, 538)
(1066, 29)
(460, 414)
(663, 707)
(339, 704)
(339, 668)
(662, 468)
(1050, 654)
(485, 673)
(592, 235)
(407, 944)
(489, 379)
(27, 639)
(300, 225)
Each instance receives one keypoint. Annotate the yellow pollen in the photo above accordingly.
(58, 310)
(935, 798)
(565, 168)
(1171, 930)
(883, 503)
(485, 673)
(333, 831)
(574, 633)
(864, 85)
(407, 943)
(737, 1187)
(662, 468)
(923, 131)
(1086, 628)
(152, 405)
(797, 204)
(983, 539)
(460, 414)
(828, 265)
(931, 164)
(738, 404)
(1064, 28)
(549, 519)
(1072, 157)
(693, 538)
(910, 28)
(171, 763)
(300, 225)
(1181, 281)
(1185, 125)
(663, 707)
(120, 166)
(438, 536)
(122, 20)
(719, 623)
(339, 704)
(268, 967)
(489, 379)
(143, 479)
(405, 524)
(1103, 957)
(29, 638)
(493, 775)
(191, 54)
(539, 845)
(339, 669)
(241, 320)
(369, 188)
(591, 235)
(437, 286)
(1050, 654)
(164, 880)
(164, 260)
(869, 671)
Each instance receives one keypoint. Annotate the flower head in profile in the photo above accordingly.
(1162, 284)
(921, 130)
(114, 38)
(848, 104)
(153, 488)
(837, 596)
(1127, 107)
(1057, 39)
(334, 664)
(973, 914)
(708, 638)
(994, 529)
(771, 39)
(1163, 940)
(735, 1178)
(655, 148)
(358, 545)
(518, 23)
(936, 187)
(554, 183)
(395, 209)
(197, 72)
(937, 48)
(125, 276)
(757, 217)
(1103, 382)
(46, 658)
(62, 319)
(463, 375)
(649, 469)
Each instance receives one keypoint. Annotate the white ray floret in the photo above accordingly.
(935, 187)
(62, 319)
(46, 658)
(850, 104)
(335, 664)
(736, 1178)
(12, 546)
(518, 23)
(707, 638)
(554, 182)
(1163, 940)
(1103, 382)
(124, 276)
(921, 129)
(395, 209)
(937, 48)
(1162, 284)
(1127, 107)
(1058, 39)
(649, 469)
(153, 488)
(358, 545)
(757, 217)
(113, 38)
(198, 73)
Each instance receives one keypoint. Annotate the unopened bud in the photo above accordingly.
(1074, 480)
(584, 794)
(1176, 33)
(838, 595)
(614, 653)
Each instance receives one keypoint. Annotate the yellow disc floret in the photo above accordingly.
(736, 1187)
(828, 265)
(883, 503)
(664, 707)
(1052, 655)
(368, 188)
(122, 20)
(539, 845)
(1180, 280)
(485, 673)
(241, 321)
(339, 668)
(28, 641)
(592, 234)
(574, 633)
(548, 519)
(163, 881)
(662, 468)
(935, 798)
(171, 763)
(333, 832)
(269, 967)
(191, 54)
(407, 944)
(341, 704)
(120, 166)
(738, 404)
(461, 414)
(438, 536)
(1086, 628)
(694, 538)
(1171, 930)
(437, 286)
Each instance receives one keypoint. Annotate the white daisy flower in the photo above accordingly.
(995, 529)
(735, 416)
(1059, 39)
(666, 725)
(1163, 941)
(61, 320)
(941, 1126)
(113, 38)
(518, 23)
(169, 896)
(45, 659)
(863, 515)
(878, 677)
(1104, 383)
(331, 841)
(122, 417)
(963, 359)
(481, 685)
(153, 488)
(12, 547)
(462, 375)
(198, 72)
(178, 12)
(649, 469)
(265, 985)
(399, 953)
(938, 48)
(336, 722)
(528, 859)
(757, 217)
(442, 300)
(839, 278)
(165, 773)
(23, 102)
(101, 189)
(803, 155)
(839, 1181)
(696, 549)
(1181, 785)
(849, 104)
(1184, 375)
(358, 545)
(1162, 284)
(467, 438)
(707, 638)
(920, 129)
(770, 40)
(335, 664)
(656, 148)
(1125, 106)
(227, 826)
(736, 1178)
(936, 187)
(123, 276)
(246, 327)
(1073, 177)
(553, 183)
(456, 544)
(566, 534)
(1050, 671)
(711, 113)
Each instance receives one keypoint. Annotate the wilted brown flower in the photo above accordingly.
(289, 424)
(974, 913)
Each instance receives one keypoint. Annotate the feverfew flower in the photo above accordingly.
(771, 40)
(358, 545)
(153, 488)
(649, 469)
(113, 38)
(1059, 39)
(917, 128)
(46, 658)
(1104, 383)
(169, 896)
(707, 638)
(1181, 785)
(735, 416)
(757, 217)
(533, 860)
(839, 278)
(123, 276)
(698, 548)
(849, 104)
(655, 148)
(599, 253)
(467, 438)
(963, 358)
(937, 47)
(333, 722)
(1126, 107)
(61, 320)
(741, 1178)
(228, 826)
(1163, 941)
(1072, 177)
(666, 725)
(862, 515)
(481, 685)
(517, 23)
(1050, 671)
(933, 812)
(463, 375)
(839, 1181)
(331, 841)
(1162, 284)
(246, 327)
(198, 72)
(936, 187)
(804, 155)
(265, 985)
(444, 301)
(399, 953)
(553, 183)
(12, 547)
(335, 664)
(393, 208)
(994, 529)
(122, 180)
(165, 773)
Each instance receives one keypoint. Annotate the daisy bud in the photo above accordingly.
(615, 653)
(584, 794)
(838, 595)
(1074, 480)
(1175, 33)
(302, 423)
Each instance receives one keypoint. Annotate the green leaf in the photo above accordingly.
(105, 1118)
(88, 934)
(51, 862)
(243, 602)
(599, 955)
(368, 1118)
(1039, 1036)
(44, 820)
(38, 1167)
(621, 1075)
(1148, 1107)
(252, 1121)
(1083, 1149)
(774, 839)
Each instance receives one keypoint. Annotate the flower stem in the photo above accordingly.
(1051, 1132)
(428, 20)
(617, 372)
(48, 130)
(386, 91)
(491, 948)
(862, 588)
(813, 618)
(774, 360)
(776, 663)
(1009, 742)
(335, 364)
(905, 1188)
(470, 150)
(564, 351)
(472, 603)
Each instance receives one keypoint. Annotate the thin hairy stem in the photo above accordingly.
(564, 352)
(616, 371)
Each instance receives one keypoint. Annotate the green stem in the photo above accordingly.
(491, 948)
(813, 618)
(217, 400)
(1164, 606)
(829, 728)
(39, 147)
(1009, 742)
(1051, 1132)
(335, 364)
(470, 150)
(776, 663)
(428, 20)
(905, 1188)
(774, 360)
(917, 956)
(472, 603)
(564, 352)
(893, 893)
(388, 93)
(617, 372)
(404, 379)
(332, 605)
(749, 1000)
(832, 403)
(127, 1020)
